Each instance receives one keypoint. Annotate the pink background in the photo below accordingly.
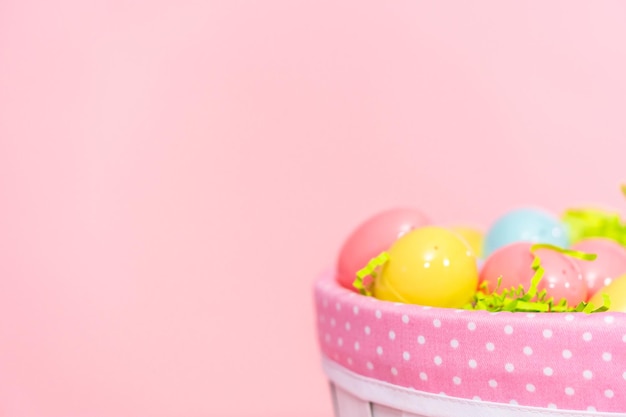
(174, 175)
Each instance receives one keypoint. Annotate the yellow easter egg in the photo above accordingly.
(428, 266)
(473, 237)
(616, 291)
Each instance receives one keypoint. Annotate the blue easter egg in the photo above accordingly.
(526, 225)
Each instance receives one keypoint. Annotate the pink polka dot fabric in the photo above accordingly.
(569, 361)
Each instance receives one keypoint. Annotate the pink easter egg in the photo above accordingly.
(609, 264)
(562, 276)
(511, 263)
(372, 237)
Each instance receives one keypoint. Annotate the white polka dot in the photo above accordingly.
(569, 391)
(530, 388)
(379, 350)
(454, 343)
(567, 354)
(569, 317)
(547, 333)
(493, 383)
(528, 350)
(591, 408)
(423, 376)
(551, 405)
(327, 338)
(472, 363)
(394, 371)
(357, 346)
(508, 329)
(421, 340)
(471, 326)
(369, 365)
(490, 347)
(350, 361)
(624, 375)
(438, 360)
(378, 314)
(609, 319)
(513, 402)
(338, 307)
(340, 341)
(587, 374)
(333, 322)
(456, 380)
(608, 393)
(606, 356)
(547, 371)
(392, 335)
(405, 319)
(348, 325)
(355, 310)
(406, 356)
(624, 338)
(321, 318)
(367, 330)
(530, 315)
(509, 367)
(587, 337)
(437, 323)
(476, 398)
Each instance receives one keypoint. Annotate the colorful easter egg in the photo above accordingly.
(372, 237)
(511, 263)
(562, 278)
(526, 225)
(428, 266)
(610, 262)
(474, 237)
(616, 291)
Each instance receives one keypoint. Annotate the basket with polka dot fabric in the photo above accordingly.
(387, 359)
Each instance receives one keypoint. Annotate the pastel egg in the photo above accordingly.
(372, 237)
(473, 236)
(562, 278)
(526, 225)
(609, 263)
(616, 291)
(511, 263)
(428, 266)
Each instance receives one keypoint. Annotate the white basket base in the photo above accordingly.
(346, 404)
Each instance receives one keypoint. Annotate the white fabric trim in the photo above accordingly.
(436, 405)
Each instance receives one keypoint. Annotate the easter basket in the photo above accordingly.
(388, 359)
